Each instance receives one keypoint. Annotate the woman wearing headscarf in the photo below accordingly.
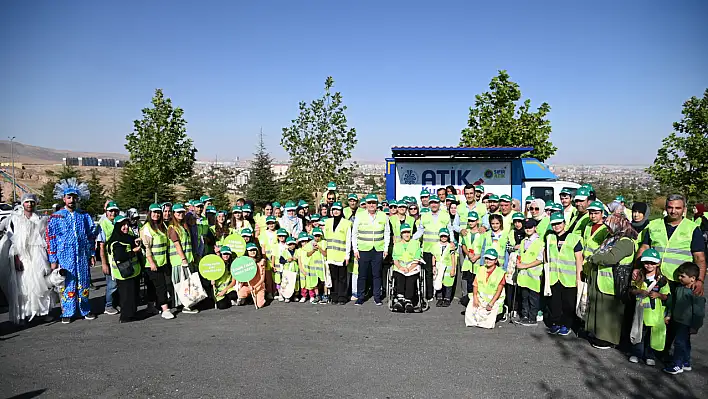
(537, 213)
(640, 216)
(699, 217)
(123, 249)
(605, 314)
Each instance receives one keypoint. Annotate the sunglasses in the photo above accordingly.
(535, 209)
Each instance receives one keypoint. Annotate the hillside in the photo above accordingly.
(30, 154)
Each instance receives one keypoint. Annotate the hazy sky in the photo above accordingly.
(75, 74)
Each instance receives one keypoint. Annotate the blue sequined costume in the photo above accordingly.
(70, 239)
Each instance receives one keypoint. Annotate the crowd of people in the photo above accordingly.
(603, 271)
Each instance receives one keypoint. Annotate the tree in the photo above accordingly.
(134, 192)
(319, 143)
(495, 121)
(218, 185)
(94, 205)
(194, 187)
(161, 153)
(262, 186)
(682, 161)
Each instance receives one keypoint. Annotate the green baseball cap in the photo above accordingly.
(582, 194)
(303, 204)
(619, 198)
(196, 203)
(530, 198)
(472, 215)
(479, 188)
(315, 217)
(451, 197)
(276, 204)
(246, 208)
(371, 198)
(290, 206)
(491, 253)
(317, 232)
(424, 193)
(270, 219)
(225, 250)
(251, 247)
(596, 206)
(402, 204)
(549, 205)
(155, 208)
(205, 198)
(424, 210)
(282, 232)
(405, 227)
(651, 255)
(557, 218)
(588, 187)
(557, 207)
(303, 236)
(517, 216)
(246, 232)
(223, 212)
(211, 209)
(119, 219)
(112, 206)
(236, 209)
(434, 198)
(493, 198)
(444, 232)
(566, 191)
(352, 197)
(505, 198)
(331, 186)
(290, 240)
(337, 205)
(393, 203)
(178, 208)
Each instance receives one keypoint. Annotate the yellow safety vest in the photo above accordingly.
(371, 233)
(605, 277)
(396, 224)
(114, 265)
(406, 251)
(487, 286)
(336, 240)
(186, 244)
(674, 251)
(531, 277)
(160, 243)
(561, 264)
(432, 229)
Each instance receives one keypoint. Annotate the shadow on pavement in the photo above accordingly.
(30, 394)
(607, 378)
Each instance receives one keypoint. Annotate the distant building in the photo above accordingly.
(70, 161)
(91, 161)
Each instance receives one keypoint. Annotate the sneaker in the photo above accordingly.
(529, 323)
(673, 370)
(325, 299)
(359, 302)
(431, 299)
(446, 303)
(409, 307)
(281, 299)
(438, 303)
(314, 300)
(90, 316)
(353, 298)
(564, 331)
(234, 303)
(378, 303)
(111, 311)
(287, 300)
(650, 362)
(167, 315)
(633, 359)
(269, 296)
(687, 366)
(277, 298)
(597, 344)
(189, 311)
(539, 317)
(553, 330)
(302, 300)
(65, 320)
(397, 306)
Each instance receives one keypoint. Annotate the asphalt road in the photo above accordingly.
(305, 351)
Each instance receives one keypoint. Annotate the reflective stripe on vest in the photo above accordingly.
(605, 278)
(396, 224)
(371, 234)
(186, 244)
(592, 242)
(531, 277)
(160, 242)
(561, 263)
(115, 273)
(431, 229)
(674, 251)
(336, 240)
(487, 287)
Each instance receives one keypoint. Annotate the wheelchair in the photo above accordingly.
(391, 294)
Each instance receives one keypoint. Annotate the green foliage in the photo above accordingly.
(134, 192)
(495, 121)
(47, 190)
(161, 153)
(194, 187)
(319, 142)
(262, 186)
(682, 161)
(94, 205)
(215, 182)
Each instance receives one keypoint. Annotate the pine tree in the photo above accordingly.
(94, 205)
(262, 186)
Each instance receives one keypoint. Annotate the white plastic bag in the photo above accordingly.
(287, 283)
(581, 300)
(190, 291)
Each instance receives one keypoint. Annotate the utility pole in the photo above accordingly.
(14, 182)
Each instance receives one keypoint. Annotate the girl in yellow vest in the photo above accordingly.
(255, 287)
(315, 268)
(289, 262)
(488, 295)
(225, 286)
(305, 249)
(237, 221)
(220, 229)
(154, 237)
(470, 242)
(495, 238)
(529, 270)
(122, 249)
(444, 262)
(268, 240)
(180, 250)
(279, 248)
(651, 291)
(406, 270)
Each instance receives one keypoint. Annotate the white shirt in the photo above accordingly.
(355, 232)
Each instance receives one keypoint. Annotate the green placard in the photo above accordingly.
(212, 267)
(243, 269)
(236, 243)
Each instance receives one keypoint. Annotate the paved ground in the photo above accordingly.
(303, 350)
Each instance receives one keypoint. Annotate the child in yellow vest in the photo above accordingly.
(303, 261)
(651, 290)
(487, 298)
(444, 266)
(289, 265)
(267, 239)
(315, 268)
(224, 292)
(279, 248)
(406, 270)
(469, 242)
(255, 287)
(529, 269)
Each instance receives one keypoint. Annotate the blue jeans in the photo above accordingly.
(682, 344)
(642, 349)
(111, 288)
(370, 263)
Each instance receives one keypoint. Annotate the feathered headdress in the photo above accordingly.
(71, 186)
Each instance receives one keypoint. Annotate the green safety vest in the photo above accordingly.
(507, 221)
(592, 242)
(432, 228)
(464, 211)
(605, 277)
(114, 265)
(484, 242)
(580, 224)
(471, 242)
(336, 240)
(487, 286)
(543, 225)
(107, 227)
(347, 212)
(569, 215)
(396, 224)
(674, 251)
(561, 264)
(444, 256)
(406, 252)
(371, 234)
(531, 277)
(654, 318)
(160, 242)
(223, 282)
(268, 239)
(186, 244)
(315, 265)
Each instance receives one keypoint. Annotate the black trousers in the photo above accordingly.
(529, 303)
(340, 283)
(406, 286)
(370, 264)
(428, 267)
(225, 303)
(128, 291)
(562, 305)
(162, 281)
